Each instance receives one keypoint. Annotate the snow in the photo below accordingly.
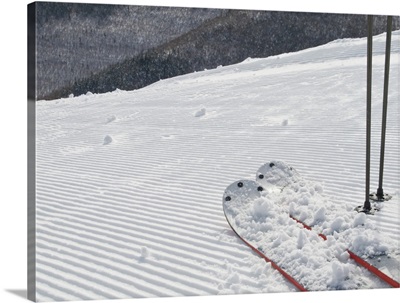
(141, 215)
(111, 119)
(200, 112)
(107, 140)
(144, 252)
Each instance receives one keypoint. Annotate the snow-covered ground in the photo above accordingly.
(130, 184)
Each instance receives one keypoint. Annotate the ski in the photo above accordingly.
(277, 175)
(301, 256)
(249, 189)
(358, 260)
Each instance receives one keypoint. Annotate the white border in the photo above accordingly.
(13, 140)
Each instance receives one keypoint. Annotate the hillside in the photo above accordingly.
(75, 40)
(226, 39)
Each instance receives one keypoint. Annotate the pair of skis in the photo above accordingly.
(307, 259)
(379, 196)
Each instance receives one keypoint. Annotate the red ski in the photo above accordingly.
(278, 176)
(236, 195)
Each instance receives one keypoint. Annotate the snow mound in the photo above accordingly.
(110, 119)
(107, 140)
(200, 113)
(144, 252)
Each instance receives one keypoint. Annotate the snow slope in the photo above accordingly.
(130, 184)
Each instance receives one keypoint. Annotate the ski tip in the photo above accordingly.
(276, 173)
(241, 191)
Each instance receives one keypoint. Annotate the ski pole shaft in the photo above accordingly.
(385, 101)
(367, 204)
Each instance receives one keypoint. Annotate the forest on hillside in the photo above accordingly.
(76, 40)
(100, 48)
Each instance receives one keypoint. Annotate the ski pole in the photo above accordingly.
(367, 203)
(379, 192)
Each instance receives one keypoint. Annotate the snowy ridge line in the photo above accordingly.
(358, 260)
(277, 65)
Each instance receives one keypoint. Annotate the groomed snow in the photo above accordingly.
(130, 183)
